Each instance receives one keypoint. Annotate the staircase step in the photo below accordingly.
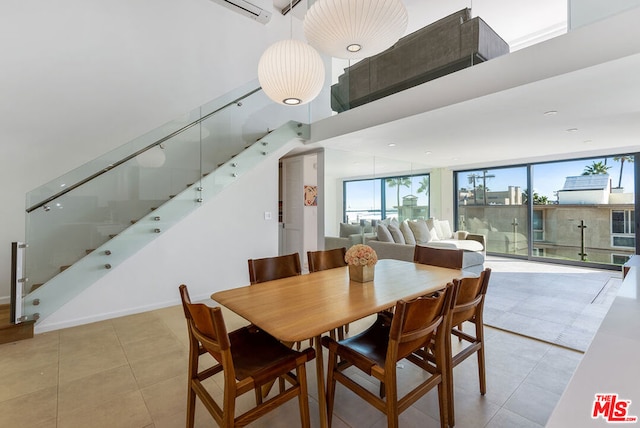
(10, 332)
(34, 287)
(89, 251)
(63, 268)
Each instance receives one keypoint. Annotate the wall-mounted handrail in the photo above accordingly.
(133, 155)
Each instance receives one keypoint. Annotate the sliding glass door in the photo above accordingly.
(585, 211)
(491, 202)
(577, 211)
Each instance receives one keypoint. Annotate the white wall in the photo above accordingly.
(583, 12)
(81, 77)
(208, 251)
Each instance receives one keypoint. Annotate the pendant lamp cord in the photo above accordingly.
(291, 20)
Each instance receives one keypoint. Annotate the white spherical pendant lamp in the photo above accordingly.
(291, 72)
(355, 29)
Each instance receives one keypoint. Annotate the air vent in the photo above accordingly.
(256, 9)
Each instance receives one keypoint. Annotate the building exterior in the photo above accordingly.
(589, 222)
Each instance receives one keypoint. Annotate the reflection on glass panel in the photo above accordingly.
(405, 197)
(586, 209)
(493, 203)
(362, 200)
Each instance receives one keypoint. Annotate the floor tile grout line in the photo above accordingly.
(535, 339)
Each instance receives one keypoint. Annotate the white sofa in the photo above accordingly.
(397, 241)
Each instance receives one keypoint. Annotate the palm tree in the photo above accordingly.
(622, 160)
(537, 199)
(472, 180)
(596, 168)
(397, 182)
(424, 186)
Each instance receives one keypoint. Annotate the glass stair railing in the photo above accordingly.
(90, 220)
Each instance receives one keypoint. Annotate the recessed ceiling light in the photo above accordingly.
(550, 112)
(392, 144)
(572, 130)
(427, 152)
(588, 141)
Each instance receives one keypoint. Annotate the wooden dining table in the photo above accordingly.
(306, 306)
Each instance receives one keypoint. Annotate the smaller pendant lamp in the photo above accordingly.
(355, 29)
(291, 72)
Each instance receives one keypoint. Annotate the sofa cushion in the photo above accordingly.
(445, 228)
(467, 244)
(435, 233)
(397, 235)
(383, 233)
(349, 229)
(420, 231)
(407, 233)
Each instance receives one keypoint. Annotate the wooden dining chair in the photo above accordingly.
(442, 257)
(248, 358)
(270, 268)
(467, 305)
(328, 259)
(377, 350)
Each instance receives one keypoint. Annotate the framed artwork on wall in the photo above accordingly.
(310, 196)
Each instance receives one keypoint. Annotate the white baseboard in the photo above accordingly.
(5, 300)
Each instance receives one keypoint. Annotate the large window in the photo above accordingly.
(401, 197)
(581, 210)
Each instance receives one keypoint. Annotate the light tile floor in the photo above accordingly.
(131, 372)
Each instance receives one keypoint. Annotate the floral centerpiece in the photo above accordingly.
(361, 260)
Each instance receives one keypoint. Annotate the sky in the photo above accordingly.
(549, 177)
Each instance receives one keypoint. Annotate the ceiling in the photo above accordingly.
(494, 113)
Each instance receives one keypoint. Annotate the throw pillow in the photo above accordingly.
(447, 233)
(383, 234)
(349, 229)
(407, 233)
(432, 229)
(420, 231)
(397, 235)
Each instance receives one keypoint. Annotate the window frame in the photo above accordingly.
(628, 226)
